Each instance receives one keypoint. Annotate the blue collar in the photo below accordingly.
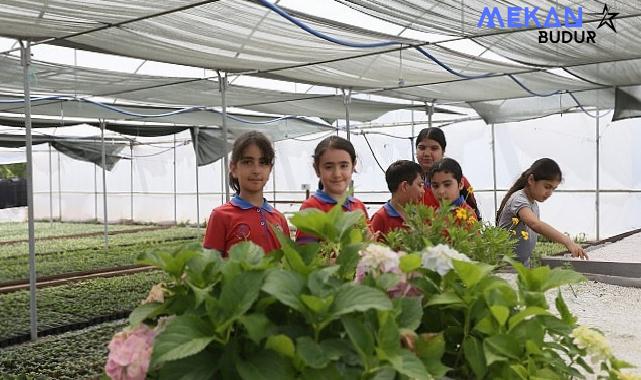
(325, 198)
(391, 211)
(243, 204)
(458, 202)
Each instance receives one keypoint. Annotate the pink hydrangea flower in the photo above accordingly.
(130, 353)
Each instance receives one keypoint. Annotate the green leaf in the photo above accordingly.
(410, 262)
(388, 337)
(183, 336)
(238, 295)
(406, 363)
(265, 365)
(200, 294)
(293, 258)
(329, 372)
(258, 326)
(361, 338)
(528, 312)
(247, 253)
(312, 221)
(470, 272)
(411, 312)
(345, 221)
(501, 313)
(317, 304)
(473, 351)
(520, 371)
(195, 367)
(487, 325)
(286, 287)
(312, 354)
(447, 298)
(430, 349)
(565, 313)
(318, 281)
(387, 280)
(558, 277)
(281, 344)
(348, 260)
(203, 269)
(142, 312)
(352, 297)
(501, 347)
(385, 373)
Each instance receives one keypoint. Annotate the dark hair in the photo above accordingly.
(432, 133)
(447, 165)
(541, 169)
(450, 165)
(333, 142)
(243, 142)
(402, 171)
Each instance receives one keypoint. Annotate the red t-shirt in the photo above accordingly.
(239, 220)
(386, 219)
(322, 201)
(430, 200)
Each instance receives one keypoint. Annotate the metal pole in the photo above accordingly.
(222, 182)
(222, 86)
(50, 189)
(104, 185)
(496, 208)
(95, 191)
(196, 129)
(274, 184)
(25, 55)
(175, 185)
(59, 191)
(347, 99)
(412, 138)
(131, 183)
(598, 184)
(430, 112)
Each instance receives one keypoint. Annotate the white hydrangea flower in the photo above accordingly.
(377, 257)
(593, 342)
(439, 258)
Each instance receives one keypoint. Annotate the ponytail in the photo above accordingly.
(541, 169)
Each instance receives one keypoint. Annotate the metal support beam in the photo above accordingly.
(50, 189)
(131, 179)
(222, 87)
(598, 184)
(59, 190)
(25, 55)
(347, 100)
(104, 186)
(196, 130)
(175, 186)
(413, 134)
(496, 207)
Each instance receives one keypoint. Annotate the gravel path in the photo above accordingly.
(625, 250)
(614, 310)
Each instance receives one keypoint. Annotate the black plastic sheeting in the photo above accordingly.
(13, 193)
(79, 148)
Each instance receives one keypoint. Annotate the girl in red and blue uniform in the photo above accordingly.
(334, 161)
(247, 216)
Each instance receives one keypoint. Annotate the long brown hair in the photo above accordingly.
(541, 169)
(242, 142)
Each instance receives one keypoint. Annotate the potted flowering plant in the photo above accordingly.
(361, 311)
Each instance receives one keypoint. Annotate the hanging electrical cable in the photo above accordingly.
(373, 154)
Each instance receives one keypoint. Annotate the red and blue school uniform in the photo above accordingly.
(322, 201)
(386, 219)
(429, 199)
(238, 220)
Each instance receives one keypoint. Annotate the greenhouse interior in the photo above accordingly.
(141, 239)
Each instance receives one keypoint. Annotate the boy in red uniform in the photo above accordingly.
(405, 182)
(247, 216)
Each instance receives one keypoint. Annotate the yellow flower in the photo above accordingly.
(470, 189)
(461, 214)
(525, 235)
(513, 232)
(471, 220)
(593, 342)
(627, 376)
(515, 221)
